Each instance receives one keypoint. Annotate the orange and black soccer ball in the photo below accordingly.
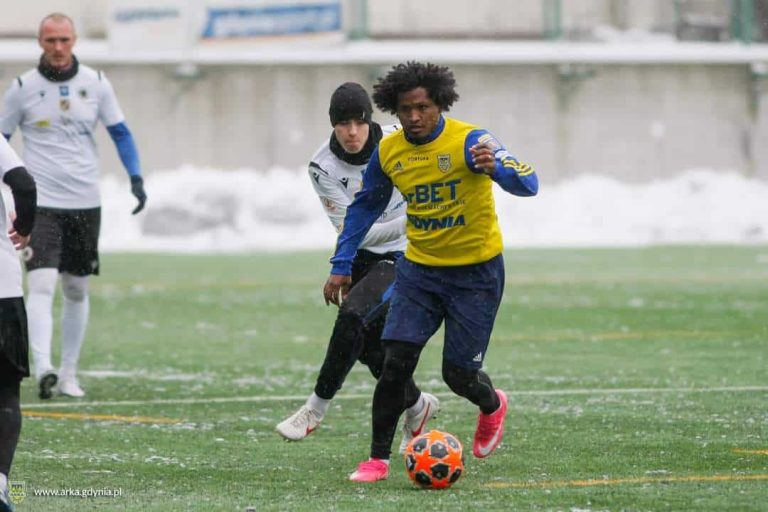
(434, 460)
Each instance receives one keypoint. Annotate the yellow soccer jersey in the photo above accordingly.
(451, 216)
(451, 211)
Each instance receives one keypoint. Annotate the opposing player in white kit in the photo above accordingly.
(14, 360)
(57, 105)
(336, 172)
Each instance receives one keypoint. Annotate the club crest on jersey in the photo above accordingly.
(83, 93)
(444, 162)
(64, 104)
(63, 90)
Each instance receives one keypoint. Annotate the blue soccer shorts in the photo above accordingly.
(467, 297)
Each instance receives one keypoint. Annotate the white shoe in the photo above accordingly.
(298, 426)
(414, 425)
(5, 499)
(70, 387)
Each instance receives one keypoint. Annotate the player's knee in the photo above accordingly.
(10, 385)
(348, 325)
(354, 306)
(400, 360)
(458, 379)
(74, 288)
(373, 359)
(42, 281)
(346, 340)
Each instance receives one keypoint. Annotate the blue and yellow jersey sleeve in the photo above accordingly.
(513, 176)
(367, 206)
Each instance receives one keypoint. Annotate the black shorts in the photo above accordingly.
(67, 240)
(14, 343)
(372, 275)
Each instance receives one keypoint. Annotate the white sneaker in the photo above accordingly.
(298, 426)
(70, 387)
(5, 499)
(414, 426)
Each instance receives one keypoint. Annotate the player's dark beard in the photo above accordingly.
(55, 75)
(362, 157)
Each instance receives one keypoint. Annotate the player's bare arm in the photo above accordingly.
(336, 289)
(484, 158)
(18, 240)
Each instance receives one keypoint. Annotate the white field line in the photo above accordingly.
(285, 398)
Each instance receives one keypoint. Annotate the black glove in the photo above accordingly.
(137, 189)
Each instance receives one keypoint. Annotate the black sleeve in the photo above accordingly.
(25, 196)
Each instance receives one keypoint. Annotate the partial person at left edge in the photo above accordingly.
(14, 349)
(57, 106)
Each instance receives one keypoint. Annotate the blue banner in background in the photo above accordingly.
(272, 21)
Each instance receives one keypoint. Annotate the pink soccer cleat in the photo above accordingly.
(490, 429)
(372, 470)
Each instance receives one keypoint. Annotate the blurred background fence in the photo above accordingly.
(634, 89)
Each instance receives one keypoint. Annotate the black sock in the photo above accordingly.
(389, 399)
(10, 422)
(474, 385)
(343, 350)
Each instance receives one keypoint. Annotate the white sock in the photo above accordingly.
(41, 286)
(385, 461)
(74, 320)
(3, 481)
(417, 407)
(318, 404)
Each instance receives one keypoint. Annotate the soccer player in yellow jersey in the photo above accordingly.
(453, 269)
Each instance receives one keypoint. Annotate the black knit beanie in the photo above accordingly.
(350, 101)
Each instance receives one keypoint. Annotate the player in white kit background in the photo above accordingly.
(14, 359)
(336, 173)
(57, 106)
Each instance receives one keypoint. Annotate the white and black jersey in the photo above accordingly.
(336, 182)
(10, 268)
(57, 121)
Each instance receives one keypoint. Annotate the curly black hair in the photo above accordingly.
(437, 80)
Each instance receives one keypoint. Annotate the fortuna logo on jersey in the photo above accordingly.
(444, 162)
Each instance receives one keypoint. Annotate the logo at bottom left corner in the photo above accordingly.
(17, 491)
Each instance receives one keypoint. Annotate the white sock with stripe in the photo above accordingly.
(41, 286)
(416, 408)
(74, 320)
(318, 404)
